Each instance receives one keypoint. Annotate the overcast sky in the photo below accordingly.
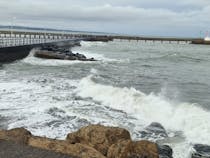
(139, 17)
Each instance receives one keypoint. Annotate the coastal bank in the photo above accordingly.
(93, 141)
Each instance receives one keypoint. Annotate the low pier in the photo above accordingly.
(157, 39)
(17, 38)
(17, 44)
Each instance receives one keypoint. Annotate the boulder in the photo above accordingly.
(55, 52)
(49, 54)
(64, 147)
(129, 149)
(201, 151)
(61, 55)
(24, 137)
(18, 135)
(155, 130)
(98, 136)
(165, 151)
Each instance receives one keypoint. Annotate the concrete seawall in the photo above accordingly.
(9, 54)
(200, 41)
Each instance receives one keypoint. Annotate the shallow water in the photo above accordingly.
(131, 85)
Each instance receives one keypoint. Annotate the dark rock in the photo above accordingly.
(54, 52)
(165, 151)
(154, 130)
(201, 151)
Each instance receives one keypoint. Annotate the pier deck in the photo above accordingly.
(17, 44)
(15, 38)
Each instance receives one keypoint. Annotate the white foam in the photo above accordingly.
(186, 117)
(86, 49)
(26, 104)
(90, 44)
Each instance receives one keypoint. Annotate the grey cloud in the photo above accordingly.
(135, 17)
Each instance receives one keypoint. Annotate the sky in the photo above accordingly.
(186, 18)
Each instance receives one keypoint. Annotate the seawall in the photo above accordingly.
(201, 41)
(9, 54)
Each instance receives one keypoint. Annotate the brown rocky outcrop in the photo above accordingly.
(18, 135)
(129, 149)
(22, 136)
(98, 137)
(77, 150)
(94, 141)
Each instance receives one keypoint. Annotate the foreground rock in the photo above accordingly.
(18, 135)
(99, 137)
(60, 146)
(54, 52)
(201, 151)
(94, 141)
(129, 149)
(10, 149)
(24, 137)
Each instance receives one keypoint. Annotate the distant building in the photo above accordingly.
(207, 38)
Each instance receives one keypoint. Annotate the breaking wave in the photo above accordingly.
(186, 117)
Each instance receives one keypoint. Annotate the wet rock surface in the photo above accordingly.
(155, 130)
(99, 137)
(165, 151)
(93, 141)
(54, 52)
(201, 151)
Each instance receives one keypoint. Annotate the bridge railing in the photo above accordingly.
(17, 40)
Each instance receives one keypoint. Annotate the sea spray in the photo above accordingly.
(186, 117)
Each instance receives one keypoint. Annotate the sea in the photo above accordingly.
(131, 85)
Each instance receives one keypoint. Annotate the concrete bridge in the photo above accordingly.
(157, 39)
(9, 38)
(18, 38)
(16, 44)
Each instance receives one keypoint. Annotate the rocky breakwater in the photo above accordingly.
(201, 151)
(94, 141)
(54, 52)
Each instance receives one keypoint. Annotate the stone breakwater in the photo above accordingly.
(54, 52)
(94, 141)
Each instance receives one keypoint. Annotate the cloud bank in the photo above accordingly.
(140, 17)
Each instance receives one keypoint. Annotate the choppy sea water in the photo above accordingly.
(131, 85)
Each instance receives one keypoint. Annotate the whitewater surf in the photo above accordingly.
(131, 85)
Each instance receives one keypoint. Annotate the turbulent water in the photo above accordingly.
(131, 85)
